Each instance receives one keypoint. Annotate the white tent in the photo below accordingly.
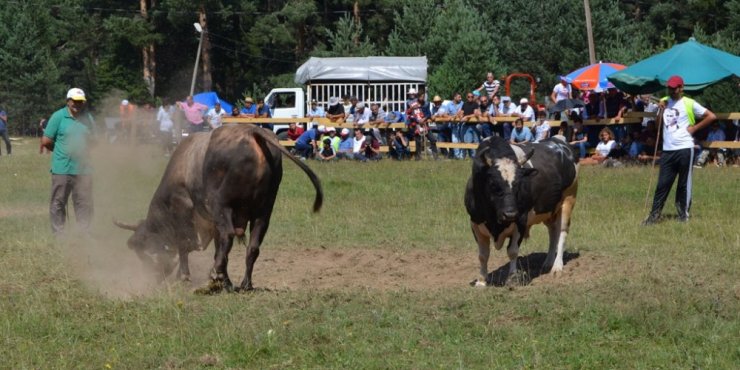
(369, 69)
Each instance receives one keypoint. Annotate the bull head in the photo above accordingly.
(505, 181)
(153, 252)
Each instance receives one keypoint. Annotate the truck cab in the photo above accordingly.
(286, 102)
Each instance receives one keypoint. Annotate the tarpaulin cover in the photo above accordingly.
(370, 69)
(209, 98)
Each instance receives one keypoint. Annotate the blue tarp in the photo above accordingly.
(210, 98)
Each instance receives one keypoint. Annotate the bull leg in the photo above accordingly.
(513, 251)
(224, 242)
(257, 230)
(564, 225)
(183, 273)
(553, 229)
(484, 252)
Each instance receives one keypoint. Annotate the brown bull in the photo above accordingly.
(216, 185)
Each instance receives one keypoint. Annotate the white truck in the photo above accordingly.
(384, 80)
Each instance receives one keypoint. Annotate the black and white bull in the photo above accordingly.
(215, 186)
(513, 187)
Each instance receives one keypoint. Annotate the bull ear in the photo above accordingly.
(126, 226)
(529, 172)
(483, 157)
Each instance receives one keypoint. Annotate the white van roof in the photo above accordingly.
(368, 69)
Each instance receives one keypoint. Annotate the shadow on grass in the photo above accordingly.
(532, 264)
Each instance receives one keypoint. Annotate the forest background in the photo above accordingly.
(146, 50)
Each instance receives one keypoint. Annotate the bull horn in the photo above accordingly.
(126, 226)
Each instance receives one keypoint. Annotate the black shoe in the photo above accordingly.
(652, 219)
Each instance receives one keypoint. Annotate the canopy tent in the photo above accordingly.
(412, 69)
(699, 66)
(210, 98)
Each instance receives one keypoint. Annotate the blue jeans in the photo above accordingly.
(582, 146)
(469, 135)
(304, 150)
(484, 129)
(457, 137)
(507, 131)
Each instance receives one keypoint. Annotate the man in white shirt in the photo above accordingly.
(524, 111)
(679, 116)
(561, 91)
(215, 116)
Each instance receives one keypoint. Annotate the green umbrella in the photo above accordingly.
(699, 66)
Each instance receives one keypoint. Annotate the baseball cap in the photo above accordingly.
(476, 92)
(524, 101)
(411, 91)
(436, 98)
(124, 102)
(345, 131)
(332, 129)
(76, 93)
(248, 100)
(360, 105)
(675, 81)
(505, 98)
(322, 128)
(333, 101)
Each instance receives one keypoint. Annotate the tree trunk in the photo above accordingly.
(356, 11)
(148, 54)
(206, 52)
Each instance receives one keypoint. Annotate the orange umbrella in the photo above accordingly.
(593, 77)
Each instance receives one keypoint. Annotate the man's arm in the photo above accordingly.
(706, 120)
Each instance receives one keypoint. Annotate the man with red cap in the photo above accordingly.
(680, 115)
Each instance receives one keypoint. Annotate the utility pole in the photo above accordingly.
(589, 33)
(197, 56)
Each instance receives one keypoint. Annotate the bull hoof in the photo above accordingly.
(478, 283)
(215, 287)
(519, 278)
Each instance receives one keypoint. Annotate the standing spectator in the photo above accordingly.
(361, 114)
(716, 134)
(235, 112)
(541, 128)
(249, 110)
(453, 108)
(193, 114)
(679, 116)
(507, 109)
(615, 105)
(486, 112)
(579, 137)
(467, 130)
(441, 119)
(336, 112)
(127, 113)
(345, 145)
(417, 120)
(520, 134)
(347, 104)
(490, 85)
(524, 111)
(316, 111)
(166, 124)
(4, 132)
(68, 139)
(263, 111)
(411, 97)
(327, 152)
(215, 115)
(561, 91)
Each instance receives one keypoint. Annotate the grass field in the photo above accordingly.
(378, 279)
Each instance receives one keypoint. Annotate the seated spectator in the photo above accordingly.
(580, 137)
(486, 112)
(541, 128)
(715, 134)
(605, 146)
(564, 131)
(235, 112)
(467, 129)
(507, 109)
(215, 115)
(294, 132)
(306, 144)
(346, 104)
(524, 111)
(334, 138)
(346, 145)
(400, 147)
(315, 111)
(370, 150)
(336, 112)
(263, 111)
(357, 142)
(519, 134)
(327, 152)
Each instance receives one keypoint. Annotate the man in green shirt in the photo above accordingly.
(71, 172)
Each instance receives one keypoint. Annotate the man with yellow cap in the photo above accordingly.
(71, 171)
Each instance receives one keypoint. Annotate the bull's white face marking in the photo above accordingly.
(507, 168)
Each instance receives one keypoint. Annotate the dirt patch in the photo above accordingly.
(381, 269)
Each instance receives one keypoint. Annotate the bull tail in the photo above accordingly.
(319, 199)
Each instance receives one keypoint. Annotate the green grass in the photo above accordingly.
(663, 297)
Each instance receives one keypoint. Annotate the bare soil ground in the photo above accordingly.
(386, 270)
